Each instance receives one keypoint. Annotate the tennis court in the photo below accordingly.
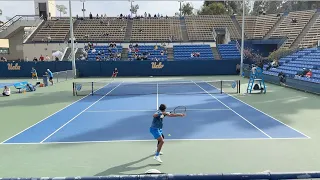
(124, 111)
(50, 132)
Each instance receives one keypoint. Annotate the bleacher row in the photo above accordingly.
(180, 52)
(199, 28)
(294, 64)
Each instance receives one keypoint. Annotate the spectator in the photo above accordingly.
(3, 59)
(155, 47)
(26, 59)
(35, 59)
(303, 72)
(56, 58)
(47, 58)
(149, 15)
(97, 16)
(94, 51)
(161, 53)
(90, 16)
(145, 14)
(6, 91)
(238, 68)
(275, 63)
(155, 15)
(309, 74)
(41, 58)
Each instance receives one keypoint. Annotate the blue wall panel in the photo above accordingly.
(134, 68)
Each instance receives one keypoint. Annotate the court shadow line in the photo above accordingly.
(120, 169)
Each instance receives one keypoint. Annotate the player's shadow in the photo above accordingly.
(121, 169)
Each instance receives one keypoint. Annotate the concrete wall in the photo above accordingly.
(51, 7)
(35, 50)
(16, 46)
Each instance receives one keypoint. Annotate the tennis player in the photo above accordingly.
(34, 73)
(114, 73)
(156, 128)
(50, 74)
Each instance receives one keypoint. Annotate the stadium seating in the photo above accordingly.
(156, 29)
(183, 52)
(292, 30)
(291, 65)
(229, 51)
(57, 30)
(313, 35)
(105, 51)
(153, 54)
(256, 27)
(106, 29)
(200, 27)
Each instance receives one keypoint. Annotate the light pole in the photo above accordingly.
(180, 8)
(83, 9)
(72, 42)
(242, 37)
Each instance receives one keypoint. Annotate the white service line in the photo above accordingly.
(80, 113)
(264, 113)
(233, 110)
(50, 115)
(132, 110)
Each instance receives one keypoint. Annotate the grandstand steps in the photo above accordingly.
(75, 24)
(124, 54)
(127, 36)
(305, 30)
(15, 24)
(185, 37)
(216, 54)
(268, 35)
(67, 54)
(237, 25)
(170, 54)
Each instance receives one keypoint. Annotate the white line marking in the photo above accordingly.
(266, 114)
(132, 110)
(79, 114)
(233, 110)
(157, 96)
(124, 141)
(51, 115)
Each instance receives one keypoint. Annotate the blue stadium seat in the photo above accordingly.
(183, 52)
(229, 51)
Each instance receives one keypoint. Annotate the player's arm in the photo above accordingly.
(174, 114)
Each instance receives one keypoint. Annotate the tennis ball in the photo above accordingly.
(169, 134)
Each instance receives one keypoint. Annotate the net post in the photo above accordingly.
(74, 87)
(239, 87)
(91, 88)
(221, 86)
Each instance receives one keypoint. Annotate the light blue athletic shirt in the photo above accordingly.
(50, 74)
(157, 121)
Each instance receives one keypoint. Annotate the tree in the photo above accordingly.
(186, 9)
(0, 12)
(134, 9)
(62, 9)
(213, 9)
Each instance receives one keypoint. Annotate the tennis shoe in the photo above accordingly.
(157, 158)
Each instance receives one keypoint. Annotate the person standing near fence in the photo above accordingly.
(50, 74)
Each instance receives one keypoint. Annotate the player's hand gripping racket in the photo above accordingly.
(180, 110)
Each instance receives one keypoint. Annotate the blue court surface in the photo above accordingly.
(116, 117)
(2, 85)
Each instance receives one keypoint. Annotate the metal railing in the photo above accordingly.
(33, 28)
(18, 18)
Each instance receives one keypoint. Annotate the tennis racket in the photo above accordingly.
(180, 110)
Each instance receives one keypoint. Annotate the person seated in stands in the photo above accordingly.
(3, 59)
(56, 58)
(136, 46)
(48, 58)
(275, 63)
(309, 74)
(98, 58)
(130, 46)
(99, 53)
(102, 53)
(97, 16)
(6, 91)
(161, 53)
(41, 58)
(90, 16)
(90, 45)
(303, 72)
(155, 47)
(192, 54)
(294, 20)
(35, 59)
(94, 51)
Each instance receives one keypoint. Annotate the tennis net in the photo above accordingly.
(144, 88)
(61, 76)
